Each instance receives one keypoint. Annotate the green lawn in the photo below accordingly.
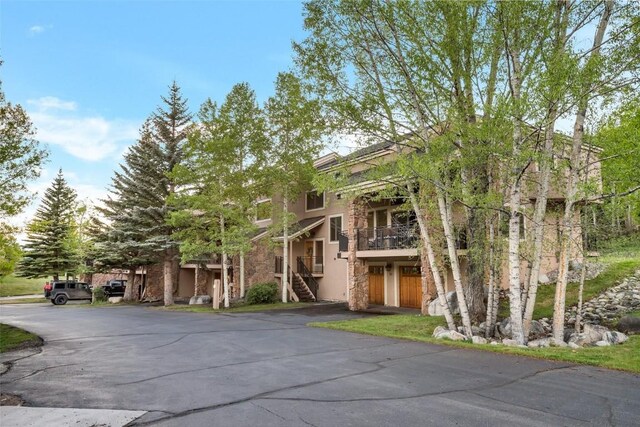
(622, 259)
(24, 301)
(15, 286)
(12, 338)
(237, 309)
(420, 328)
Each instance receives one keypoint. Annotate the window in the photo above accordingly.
(72, 286)
(315, 200)
(335, 227)
(263, 210)
(58, 286)
(376, 219)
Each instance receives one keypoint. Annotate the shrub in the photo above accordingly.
(99, 295)
(262, 293)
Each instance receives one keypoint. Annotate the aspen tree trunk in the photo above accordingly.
(168, 277)
(427, 246)
(540, 209)
(447, 224)
(583, 275)
(572, 183)
(285, 248)
(225, 265)
(491, 299)
(241, 274)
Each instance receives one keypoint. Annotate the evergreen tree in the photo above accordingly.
(49, 249)
(133, 211)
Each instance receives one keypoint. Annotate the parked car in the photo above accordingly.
(115, 288)
(61, 291)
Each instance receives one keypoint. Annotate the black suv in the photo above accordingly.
(61, 291)
(115, 288)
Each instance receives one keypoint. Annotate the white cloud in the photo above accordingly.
(52, 103)
(87, 137)
(39, 29)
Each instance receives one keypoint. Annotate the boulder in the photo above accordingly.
(115, 300)
(614, 337)
(543, 279)
(536, 330)
(593, 333)
(478, 340)
(629, 325)
(505, 327)
(435, 309)
(442, 333)
(603, 343)
(542, 342)
(200, 300)
(573, 345)
(557, 343)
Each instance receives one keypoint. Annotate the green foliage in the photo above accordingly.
(262, 293)
(10, 252)
(99, 294)
(220, 177)
(50, 248)
(21, 156)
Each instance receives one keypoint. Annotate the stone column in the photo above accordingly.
(358, 274)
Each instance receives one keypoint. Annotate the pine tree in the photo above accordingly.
(49, 249)
(131, 211)
(169, 130)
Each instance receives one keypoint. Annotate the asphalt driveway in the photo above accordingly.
(269, 369)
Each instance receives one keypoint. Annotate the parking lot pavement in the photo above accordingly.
(268, 368)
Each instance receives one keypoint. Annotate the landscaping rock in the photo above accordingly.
(629, 325)
(543, 342)
(593, 333)
(115, 300)
(511, 343)
(200, 300)
(573, 345)
(435, 309)
(603, 343)
(537, 330)
(610, 304)
(478, 340)
(442, 332)
(614, 337)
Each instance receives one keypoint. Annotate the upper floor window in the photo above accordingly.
(314, 200)
(263, 210)
(335, 227)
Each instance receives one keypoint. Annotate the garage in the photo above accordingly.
(376, 284)
(410, 287)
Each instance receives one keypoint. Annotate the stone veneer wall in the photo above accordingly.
(259, 266)
(357, 271)
(203, 282)
(154, 290)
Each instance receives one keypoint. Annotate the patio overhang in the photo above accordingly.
(302, 227)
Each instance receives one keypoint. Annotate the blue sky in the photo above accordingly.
(89, 72)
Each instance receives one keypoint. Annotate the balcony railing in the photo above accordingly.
(312, 264)
(384, 238)
(343, 241)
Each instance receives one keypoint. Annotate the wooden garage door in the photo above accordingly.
(376, 285)
(410, 287)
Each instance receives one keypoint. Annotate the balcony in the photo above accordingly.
(387, 238)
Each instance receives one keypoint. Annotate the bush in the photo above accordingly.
(262, 293)
(99, 295)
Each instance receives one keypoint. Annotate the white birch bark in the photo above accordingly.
(435, 271)
(225, 266)
(572, 186)
(285, 248)
(447, 225)
(491, 299)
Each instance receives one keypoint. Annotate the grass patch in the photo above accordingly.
(12, 338)
(624, 357)
(23, 301)
(614, 273)
(11, 286)
(236, 309)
